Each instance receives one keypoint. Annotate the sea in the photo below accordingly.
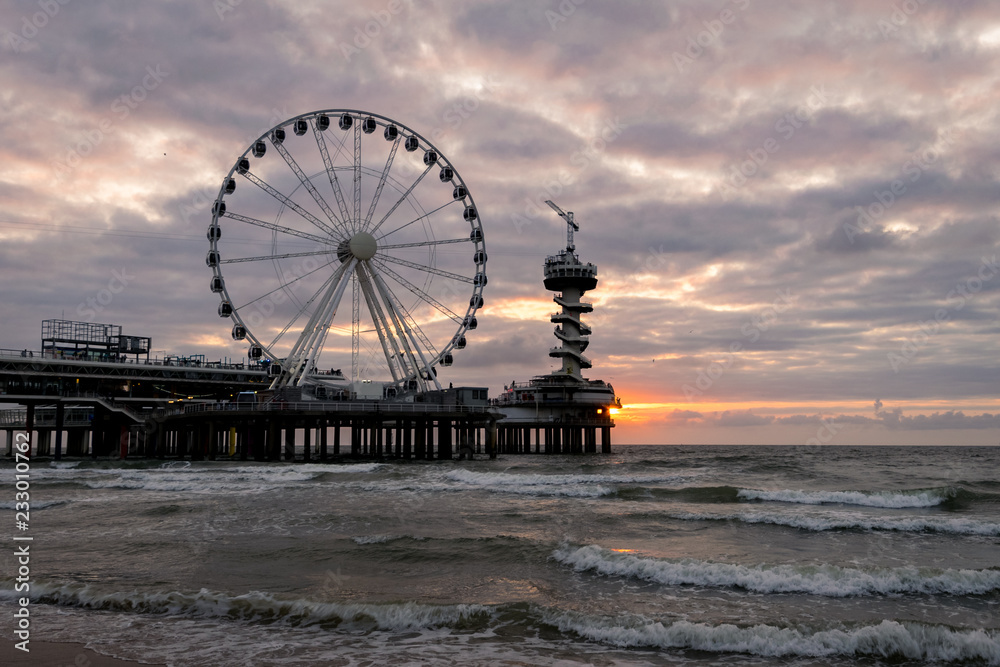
(651, 555)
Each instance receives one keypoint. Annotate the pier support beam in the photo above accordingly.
(60, 425)
(323, 434)
(290, 441)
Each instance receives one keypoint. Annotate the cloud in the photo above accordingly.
(688, 254)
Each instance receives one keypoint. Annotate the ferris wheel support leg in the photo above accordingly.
(381, 325)
(303, 355)
(387, 295)
(414, 367)
(322, 326)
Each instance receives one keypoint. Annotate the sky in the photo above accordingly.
(790, 204)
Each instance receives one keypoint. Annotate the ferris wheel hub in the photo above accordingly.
(362, 245)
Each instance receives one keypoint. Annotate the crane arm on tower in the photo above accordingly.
(571, 226)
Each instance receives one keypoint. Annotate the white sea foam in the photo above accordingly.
(574, 485)
(886, 499)
(378, 539)
(844, 520)
(825, 580)
(534, 479)
(254, 606)
(887, 639)
(213, 479)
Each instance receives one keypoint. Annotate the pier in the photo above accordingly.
(92, 389)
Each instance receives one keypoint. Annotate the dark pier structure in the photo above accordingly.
(90, 391)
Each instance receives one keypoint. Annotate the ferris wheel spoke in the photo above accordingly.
(421, 244)
(405, 314)
(330, 171)
(401, 199)
(422, 217)
(445, 310)
(381, 182)
(308, 184)
(260, 258)
(277, 228)
(357, 178)
(425, 268)
(396, 310)
(302, 310)
(284, 285)
(263, 185)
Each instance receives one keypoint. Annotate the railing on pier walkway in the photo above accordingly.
(45, 417)
(373, 407)
(170, 362)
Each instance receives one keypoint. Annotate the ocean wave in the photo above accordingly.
(824, 580)
(884, 499)
(845, 521)
(260, 607)
(535, 479)
(382, 539)
(35, 504)
(888, 639)
(585, 485)
(212, 478)
(456, 481)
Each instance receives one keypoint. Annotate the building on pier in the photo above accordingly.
(562, 412)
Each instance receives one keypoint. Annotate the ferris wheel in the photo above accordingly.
(326, 241)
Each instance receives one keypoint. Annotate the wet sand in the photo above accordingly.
(51, 654)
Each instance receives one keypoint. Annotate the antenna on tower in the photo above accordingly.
(570, 225)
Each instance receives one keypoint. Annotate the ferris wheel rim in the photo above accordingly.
(360, 236)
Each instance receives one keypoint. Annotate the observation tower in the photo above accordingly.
(563, 410)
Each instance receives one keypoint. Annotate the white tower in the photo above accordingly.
(565, 273)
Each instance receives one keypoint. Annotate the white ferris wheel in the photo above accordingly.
(327, 241)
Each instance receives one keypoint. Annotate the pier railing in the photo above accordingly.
(318, 406)
(45, 417)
